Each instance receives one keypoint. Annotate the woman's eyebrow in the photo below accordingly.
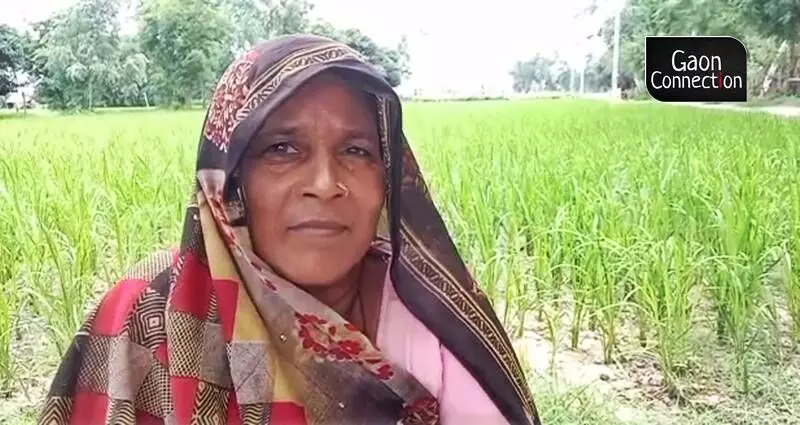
(284, 128)
(348, 132)
(360, 133)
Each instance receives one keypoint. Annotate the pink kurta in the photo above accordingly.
(408, 343)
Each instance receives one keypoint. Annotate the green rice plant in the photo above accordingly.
(611, 298)
(791, 277)
(521, 295)
(792, 280)
(663, 296)
(576, 214)
(582, 282)
(78, 218)
(10, 257)
(738, 286)
(740, 283)
(9, 308)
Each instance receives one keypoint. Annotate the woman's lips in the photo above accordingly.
(319, 227)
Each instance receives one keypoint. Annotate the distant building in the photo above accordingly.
(21, 98)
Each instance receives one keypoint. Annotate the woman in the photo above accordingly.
(315, 283)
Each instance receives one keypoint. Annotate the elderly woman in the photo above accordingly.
(315, 283)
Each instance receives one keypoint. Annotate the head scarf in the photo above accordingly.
(209, 334)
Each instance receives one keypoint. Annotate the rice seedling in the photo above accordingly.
(575, 214)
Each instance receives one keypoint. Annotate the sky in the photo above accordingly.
(458, 45)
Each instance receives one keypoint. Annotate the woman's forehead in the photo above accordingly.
(326, 96)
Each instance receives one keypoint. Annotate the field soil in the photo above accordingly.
(633, 389)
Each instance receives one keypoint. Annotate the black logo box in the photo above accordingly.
(709, 69)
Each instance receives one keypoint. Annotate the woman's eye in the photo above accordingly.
(355, 150)
(281, 148)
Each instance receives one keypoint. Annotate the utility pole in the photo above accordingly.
(583, 54)
(572, 79)
(583, 75)
(615, 92)
(581, 45)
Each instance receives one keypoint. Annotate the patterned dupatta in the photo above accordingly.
(209, 334)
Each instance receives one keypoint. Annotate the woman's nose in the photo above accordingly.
(323, 178)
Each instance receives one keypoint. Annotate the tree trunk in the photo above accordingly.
(90, 93)
(24, 103)
(146, 100)
(791, 86)
(773, 69)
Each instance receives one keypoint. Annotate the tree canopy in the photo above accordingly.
(762, 25)
(11, 58)
(79, 59)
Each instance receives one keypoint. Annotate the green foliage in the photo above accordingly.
(187, 42)
(760, 24)
(77, 54)
(552, 73)
(11, 58)
(134, 73)
(676, 17)
(259, 20)
(536, 73)
(79, 60)
(392, 63)
(774, 18)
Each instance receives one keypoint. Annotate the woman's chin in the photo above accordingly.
(313, 272)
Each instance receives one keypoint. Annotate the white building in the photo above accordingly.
(17, 99)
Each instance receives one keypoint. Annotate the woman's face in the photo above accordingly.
(314, 182)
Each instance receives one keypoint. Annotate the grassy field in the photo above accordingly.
(673, 234)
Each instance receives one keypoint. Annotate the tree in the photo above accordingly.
(540, 73)
(392, 63)
(254, 21)
(188, 43)
(288, 17)
(773, 18)
(47, 87)
(78, 59)
(134, 74)
(75, 53)
(561, 75)
(598, 73)
(11, 58)
(641, 18)
(34, 46)
(779, 19)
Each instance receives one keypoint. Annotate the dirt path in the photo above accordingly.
(788, 111)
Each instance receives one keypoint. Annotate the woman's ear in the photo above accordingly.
(383, 224)
(236, 201)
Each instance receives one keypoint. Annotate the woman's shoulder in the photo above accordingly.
(150, 274)
(148, 268)
(142, 289)
(409, 343)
